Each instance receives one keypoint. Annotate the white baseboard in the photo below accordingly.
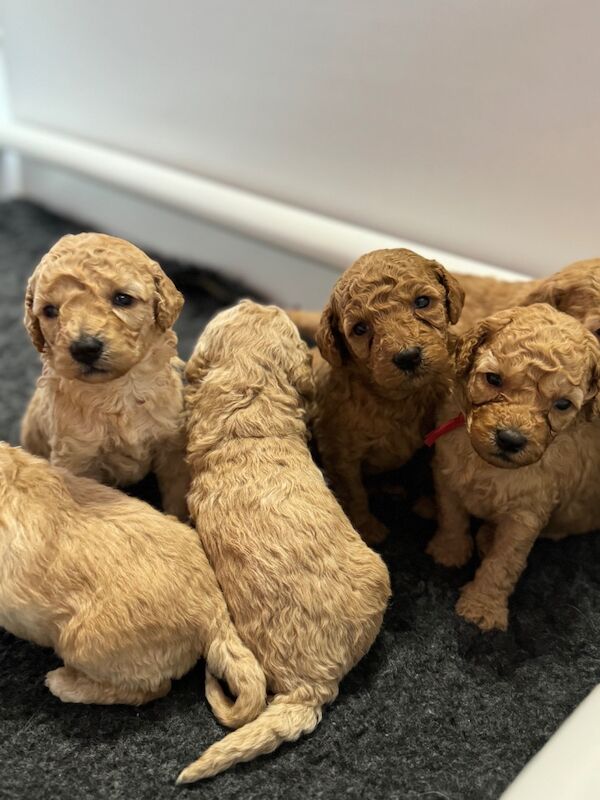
(147, 201)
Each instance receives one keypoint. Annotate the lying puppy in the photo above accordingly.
(306, 594)
(109, 404)
(124, 594)
(575, 290)
(526, 461)
(384, 337)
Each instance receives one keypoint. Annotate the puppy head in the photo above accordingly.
(253, 342)
(575, 290)
(388, 318)
(525, 375)
(95, 303)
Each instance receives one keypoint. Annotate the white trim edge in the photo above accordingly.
(321, 238)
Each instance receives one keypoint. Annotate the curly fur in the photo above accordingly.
(575, 290)
(370, 415)
(305, 593)
(549, 488)
(119, 420)
(124, 594)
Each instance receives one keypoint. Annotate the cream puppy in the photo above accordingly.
(123, 594)
(109, 404)
(527, 458)
(305, 593)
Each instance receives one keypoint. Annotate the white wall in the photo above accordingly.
(468, 125)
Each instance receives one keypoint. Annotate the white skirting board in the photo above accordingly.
(568, 766)
(291, 253)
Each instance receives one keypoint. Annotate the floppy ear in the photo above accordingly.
(168, 301)
(469, 343)
(548, 290)
(592, 401)
(455, 295)
(31, 321)
(329, 338)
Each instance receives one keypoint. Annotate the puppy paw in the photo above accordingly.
(425, 507)
(63, 684)
(487, 612)
(372, 530)
(450, 552)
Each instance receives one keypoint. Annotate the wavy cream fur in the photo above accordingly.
(551, 487)
(305, 593)
(119, 424)
(124, 594)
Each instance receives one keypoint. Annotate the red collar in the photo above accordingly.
(435, 434)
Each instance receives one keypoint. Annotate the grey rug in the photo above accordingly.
(436, 711)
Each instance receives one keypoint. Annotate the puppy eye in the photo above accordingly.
(493, 378)
(422, 301)
(360, 329)
(50, 311)
(562, 404)
(122, 299)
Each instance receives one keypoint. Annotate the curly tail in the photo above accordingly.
(286, 719)
(229, 658)
(307, 322)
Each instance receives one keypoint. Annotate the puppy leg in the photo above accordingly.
(484, 539)
(72, 686)
(346, 482)
(172, 474)
(34, 437)
(484, 600)
(452, 545)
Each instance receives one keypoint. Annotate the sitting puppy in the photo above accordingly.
(305, 593)
(109, 404)
(384, 337)
(124, 594)
(523, 457)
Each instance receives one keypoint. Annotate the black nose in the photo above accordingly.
(408, 359)
(510, 440)
(86, 349)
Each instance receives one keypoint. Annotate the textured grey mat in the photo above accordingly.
(436, 711)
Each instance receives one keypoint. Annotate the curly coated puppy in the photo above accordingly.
(527, 460)
(124, 594)
(575, 290)
(305, 593)
(109, 403)
(384, 338)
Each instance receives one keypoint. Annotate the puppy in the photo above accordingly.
(123, 594)
(526, 460)
(575, 290)
(384, 339)
(305, 593)
(109, 404)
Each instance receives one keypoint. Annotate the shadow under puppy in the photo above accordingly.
(109, 403)
(527, 459)
(384, 337)
(123, 593)
(305, 593)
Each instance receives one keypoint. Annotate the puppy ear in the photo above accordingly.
(168, 301)
(329, 338)
(591, 405)
(455, 295)
(32, 323)
(469, 343)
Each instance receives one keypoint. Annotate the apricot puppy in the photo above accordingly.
(123, 594)
(527, 459)
(305, 593)
(109, 403)
(384, 336)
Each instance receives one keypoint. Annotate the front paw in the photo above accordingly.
(372, 530)
(488, 612)
(450, 551)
